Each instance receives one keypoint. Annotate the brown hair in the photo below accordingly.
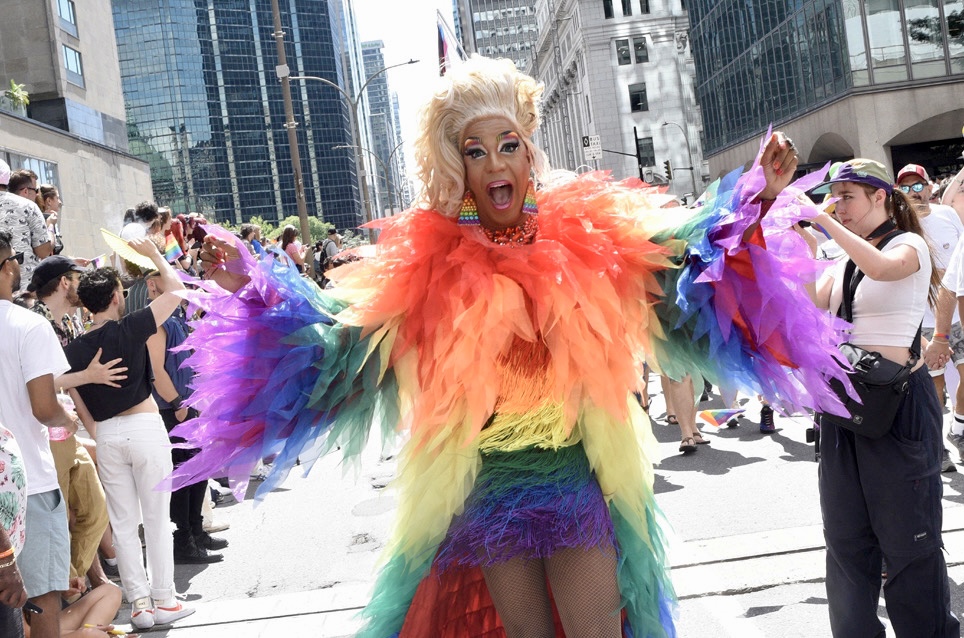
(900, 209)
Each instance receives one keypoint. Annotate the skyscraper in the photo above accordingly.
(385, 131)
(499, 29)
(204, 105)
(874, 78)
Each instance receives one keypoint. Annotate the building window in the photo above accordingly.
(608, 9)
(74, 65)
(639, 48)
(646, 151)
(68, 16)
(627, 7)
(637, 98)
(644, 6)
(622, 52)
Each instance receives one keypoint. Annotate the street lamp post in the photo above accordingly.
(689, 153)
(381, 162)
(386, 169)
(353, 101)
(283, 74)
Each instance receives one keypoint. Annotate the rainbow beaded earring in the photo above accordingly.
(469, 213)
(529, 206)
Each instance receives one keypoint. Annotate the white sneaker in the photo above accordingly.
(166, 614)
(142, 613)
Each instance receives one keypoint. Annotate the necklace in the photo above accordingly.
(524, 233)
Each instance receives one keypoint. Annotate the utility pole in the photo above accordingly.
(283, 73)
(639, 160)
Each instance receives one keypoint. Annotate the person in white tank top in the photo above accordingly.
(881, 498)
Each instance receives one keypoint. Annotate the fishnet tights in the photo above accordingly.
(584, 586)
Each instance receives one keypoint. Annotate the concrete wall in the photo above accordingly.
(865, 125)
(96, 183)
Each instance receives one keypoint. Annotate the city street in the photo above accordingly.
(747, 556)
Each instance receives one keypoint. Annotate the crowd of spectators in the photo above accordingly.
(88, 393)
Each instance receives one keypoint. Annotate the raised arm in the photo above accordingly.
(166, 303)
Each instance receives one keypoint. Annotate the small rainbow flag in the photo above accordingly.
(719, 417)
(172, 250)
(99, 261)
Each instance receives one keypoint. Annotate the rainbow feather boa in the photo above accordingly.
(416, 339)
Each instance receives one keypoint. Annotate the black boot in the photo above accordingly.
(188, 552)
(206, 541)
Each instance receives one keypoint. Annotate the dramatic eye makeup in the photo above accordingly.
(508, 140)
(472, 146)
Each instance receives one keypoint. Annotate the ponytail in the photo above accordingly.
(902, 211)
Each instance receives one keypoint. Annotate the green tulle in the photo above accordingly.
(394, 591)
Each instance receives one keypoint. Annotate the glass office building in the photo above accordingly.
(763, 61)
(204, 105)
(501, 29)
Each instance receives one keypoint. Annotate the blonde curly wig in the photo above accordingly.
(477, 88)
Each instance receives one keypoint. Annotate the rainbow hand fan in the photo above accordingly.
(719, 417)
(121, 247)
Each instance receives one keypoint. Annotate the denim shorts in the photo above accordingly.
(44, 561)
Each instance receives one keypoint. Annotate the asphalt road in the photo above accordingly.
(747, 549)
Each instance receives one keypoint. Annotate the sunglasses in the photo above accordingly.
(17, 258)
(918, 187)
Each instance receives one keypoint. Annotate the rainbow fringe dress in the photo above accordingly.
(510, 370)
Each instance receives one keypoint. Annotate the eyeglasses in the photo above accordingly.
(17, 258)
(31, 189)
(918, 187)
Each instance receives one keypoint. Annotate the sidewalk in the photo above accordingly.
(746, 586)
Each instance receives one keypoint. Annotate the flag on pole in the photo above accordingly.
(719, 417)
(99, 261)
(448, 46)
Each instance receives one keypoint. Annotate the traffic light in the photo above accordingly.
(668, 169)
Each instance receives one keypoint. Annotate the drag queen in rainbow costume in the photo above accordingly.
(502, 328)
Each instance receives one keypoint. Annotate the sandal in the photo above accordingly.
(687, 445)
(671, 419)
(698, 437)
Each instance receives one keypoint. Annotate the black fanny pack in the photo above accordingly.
(880, 383)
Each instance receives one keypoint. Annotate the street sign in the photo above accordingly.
(591, 147)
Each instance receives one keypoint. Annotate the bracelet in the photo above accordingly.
(9, 552)
(941, 335)
(10, 563)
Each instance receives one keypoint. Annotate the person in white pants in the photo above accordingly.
(133, 451)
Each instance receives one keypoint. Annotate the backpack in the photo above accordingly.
(324, 259)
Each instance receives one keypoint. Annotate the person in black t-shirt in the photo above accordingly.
(133, 451)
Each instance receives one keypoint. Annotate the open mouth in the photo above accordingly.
(501, 194)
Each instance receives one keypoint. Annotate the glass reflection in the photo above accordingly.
(887, 52)
(926, 38)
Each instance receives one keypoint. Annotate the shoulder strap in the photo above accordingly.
(850, 282)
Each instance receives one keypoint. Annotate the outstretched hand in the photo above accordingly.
(779, 162)
(217, 253)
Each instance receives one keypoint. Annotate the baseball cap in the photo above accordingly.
(859, 171)
(4, 173)
(51, 268)
(913, 169)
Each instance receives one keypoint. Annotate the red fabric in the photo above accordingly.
(456, 604)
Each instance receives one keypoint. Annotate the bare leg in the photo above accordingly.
(518, 590)
(939, 386)
(586, 592)
(680, 394)
(47, 624)
(96, 608)
(107, 544)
